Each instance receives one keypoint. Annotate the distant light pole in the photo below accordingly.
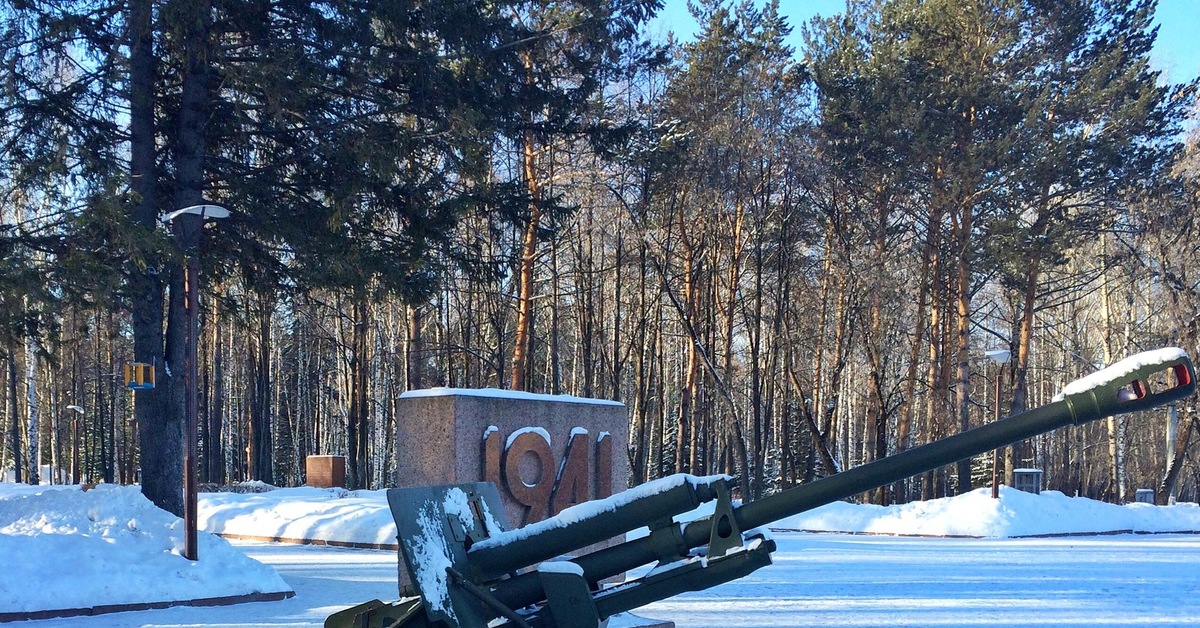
(1000, 357)
(191, 290)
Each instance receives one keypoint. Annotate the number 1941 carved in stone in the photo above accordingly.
(523, 465)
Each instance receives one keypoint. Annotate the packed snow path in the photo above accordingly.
(817, 580)
(848, 581)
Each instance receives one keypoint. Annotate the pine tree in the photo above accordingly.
(564, 51)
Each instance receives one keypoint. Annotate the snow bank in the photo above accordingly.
(327, 514)
(363, 517)
(1015, 514)
(65, 548)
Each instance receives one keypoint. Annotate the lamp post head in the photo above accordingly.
(204, 211)
(999, 356)
(78, 409)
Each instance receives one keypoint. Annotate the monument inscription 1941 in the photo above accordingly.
(543, 452)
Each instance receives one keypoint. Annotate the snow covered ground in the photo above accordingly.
(338, 515)
(859, 582)
(65, 548)
(817, 580)
(326, 580)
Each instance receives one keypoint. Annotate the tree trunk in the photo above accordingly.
(904, 425)
(618, 361)
(99, 433)
(691, 376)
(751, 474)
(261, 419)
(56, 410)
(110, 362)
(963, 335)
(1020, 392)
(14, 423)
(1025, 338)
(1166, 489)
(522, 344)
(758, 397)
(817, 398)
(554, 349)
(357, 423)
(160, 422)
(877, 418)
(831, 403)
(215, 452)
(31, 396)
(1116, 486)
(934, 403)
(415, 362)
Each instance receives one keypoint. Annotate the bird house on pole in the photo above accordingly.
(139, 375)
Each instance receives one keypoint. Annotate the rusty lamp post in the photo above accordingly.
(199, 214)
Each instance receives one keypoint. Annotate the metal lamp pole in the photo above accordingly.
(191, 289)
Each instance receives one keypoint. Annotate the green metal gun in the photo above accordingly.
(468, 571)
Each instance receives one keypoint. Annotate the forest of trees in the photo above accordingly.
(783, 262)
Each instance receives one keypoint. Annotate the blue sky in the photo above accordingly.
(1177, 51)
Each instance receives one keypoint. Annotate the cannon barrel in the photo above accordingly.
(550, 538)
(1089, 404)
(1123, 387)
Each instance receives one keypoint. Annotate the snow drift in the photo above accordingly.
(66, 548)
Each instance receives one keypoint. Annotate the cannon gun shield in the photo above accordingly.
(436, 527)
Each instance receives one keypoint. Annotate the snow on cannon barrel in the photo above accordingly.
(468, 571)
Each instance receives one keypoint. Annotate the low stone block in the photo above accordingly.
(325, 471)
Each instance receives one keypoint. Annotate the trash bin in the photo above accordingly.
(1028, 480)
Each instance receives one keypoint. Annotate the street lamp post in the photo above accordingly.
(999, 357)
(191, 290)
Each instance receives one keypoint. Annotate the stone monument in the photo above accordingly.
(543, 452)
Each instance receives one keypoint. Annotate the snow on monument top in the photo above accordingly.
(499, 393)
(1121, 370)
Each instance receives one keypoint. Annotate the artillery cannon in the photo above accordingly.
(467, 571)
